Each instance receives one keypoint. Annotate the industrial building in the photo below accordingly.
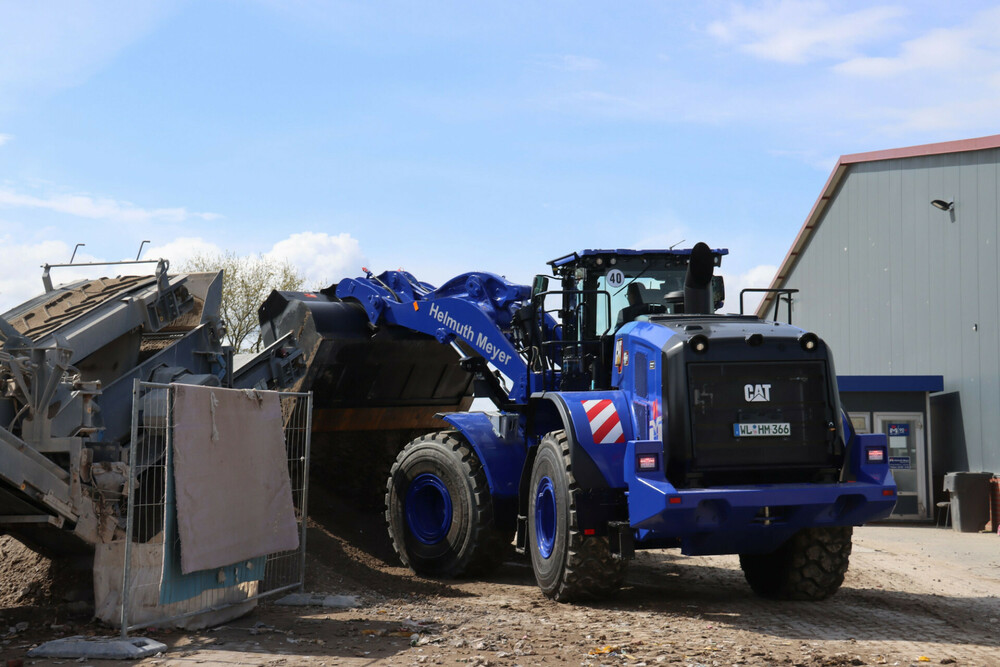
(896, 268)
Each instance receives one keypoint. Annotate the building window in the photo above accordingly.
(861, 421)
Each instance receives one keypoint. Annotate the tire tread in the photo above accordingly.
(809, 566)
(591, 571)
(488, 546)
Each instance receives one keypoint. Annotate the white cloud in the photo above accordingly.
(662, 231)
(817, 160)
(321, 258)
(943, 81)
(799, 32)
(4, 138)
(570, 63)
(962, 49)
(873, 78)
(52, 45)
(180, 250)
(102, 208)
(21, 272)
(758, 276)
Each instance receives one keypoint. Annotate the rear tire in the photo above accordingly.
(568, 565)
(439, 510)
(809, 566)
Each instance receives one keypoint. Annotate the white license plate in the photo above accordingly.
(770, 430)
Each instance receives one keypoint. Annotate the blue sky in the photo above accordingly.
(444, 137)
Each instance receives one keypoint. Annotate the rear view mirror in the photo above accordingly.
(718, 292)
(540, 285)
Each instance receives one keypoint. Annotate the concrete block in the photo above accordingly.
(98, 648)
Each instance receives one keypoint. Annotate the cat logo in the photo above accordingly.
(757, 393)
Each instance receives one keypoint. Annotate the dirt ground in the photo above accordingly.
(913, 596)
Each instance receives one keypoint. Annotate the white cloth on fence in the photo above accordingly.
(234, 495)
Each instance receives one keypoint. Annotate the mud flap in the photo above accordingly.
(521, 540)
(621, 539)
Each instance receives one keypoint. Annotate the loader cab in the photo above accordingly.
(602, 290)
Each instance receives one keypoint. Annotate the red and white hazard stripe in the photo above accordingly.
(605, 425)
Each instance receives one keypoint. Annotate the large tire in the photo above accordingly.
(568, 565)
(439, 510)
(809, 566)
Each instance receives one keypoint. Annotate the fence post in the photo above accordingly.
(127, 569)
(307, 428)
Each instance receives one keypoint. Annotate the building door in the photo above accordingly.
(908, 461)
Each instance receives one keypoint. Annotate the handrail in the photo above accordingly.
(777, 302)
(47, 279)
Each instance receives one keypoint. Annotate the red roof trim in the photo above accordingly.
(811, 222)
(981, 143)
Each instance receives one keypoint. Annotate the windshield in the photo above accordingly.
(632, 281)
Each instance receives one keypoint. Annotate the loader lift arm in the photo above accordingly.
(475, 309)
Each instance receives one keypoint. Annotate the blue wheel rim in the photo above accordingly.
(428, 509)
(545, 516)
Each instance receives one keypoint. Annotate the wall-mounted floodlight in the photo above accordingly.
(943, 205)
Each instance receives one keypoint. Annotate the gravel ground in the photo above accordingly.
(913, 596)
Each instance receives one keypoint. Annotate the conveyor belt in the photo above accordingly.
(67, 305)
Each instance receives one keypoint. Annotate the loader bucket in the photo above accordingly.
(364, 378)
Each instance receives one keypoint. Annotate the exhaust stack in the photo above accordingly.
(698, 281)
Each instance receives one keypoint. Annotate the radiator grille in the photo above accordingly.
(723, 395)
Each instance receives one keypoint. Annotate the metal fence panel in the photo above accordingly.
(153, 421)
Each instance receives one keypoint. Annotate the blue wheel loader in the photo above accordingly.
(629, 415)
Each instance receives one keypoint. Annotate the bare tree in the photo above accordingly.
(247, 280)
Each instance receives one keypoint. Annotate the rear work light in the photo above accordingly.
(699, 343)
(647, 462)
(875, 455)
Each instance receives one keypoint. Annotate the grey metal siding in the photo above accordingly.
(898, 288)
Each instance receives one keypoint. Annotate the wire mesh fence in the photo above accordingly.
(154, 591)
